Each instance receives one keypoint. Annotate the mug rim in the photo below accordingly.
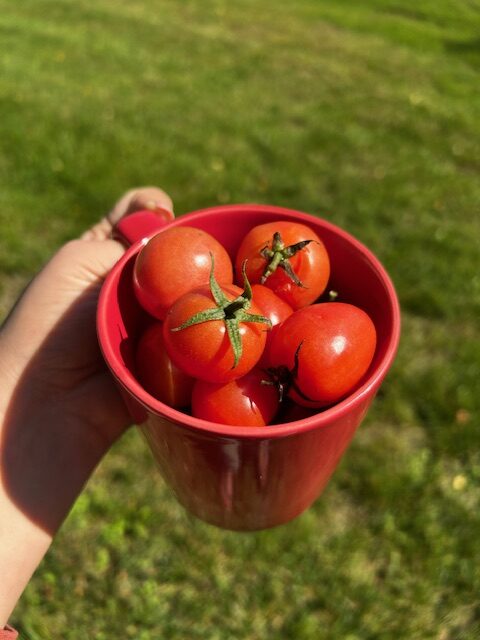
(322, 419)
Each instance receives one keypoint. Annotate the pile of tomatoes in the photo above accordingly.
(246, 343)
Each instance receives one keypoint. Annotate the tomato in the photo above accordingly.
(204, 350)
(172, 263)
(273, 308)
(320, 353)
(242, 402)
(295, 256)
(157, 373)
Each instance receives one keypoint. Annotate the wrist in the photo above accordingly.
(22, 547)
(44, 464)
(47, 455)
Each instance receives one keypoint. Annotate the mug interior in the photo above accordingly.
(356, 275)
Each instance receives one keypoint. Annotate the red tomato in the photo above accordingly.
(273, 308)
(242, 402)
(326, 348)
(204, 350)
(174, 262)
(310, 265)
(157, 373)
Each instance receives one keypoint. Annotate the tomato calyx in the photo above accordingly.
(285, 379)
(232, 312)
(278, 256)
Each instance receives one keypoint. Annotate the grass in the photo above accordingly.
(366, 113)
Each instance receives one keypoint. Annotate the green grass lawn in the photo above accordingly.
(367, 113)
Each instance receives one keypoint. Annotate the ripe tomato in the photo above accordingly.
(321, 352)
(301, 269)
(242, 402)
(157, 373)
(204, 350)
(172, 263)
(273, 308)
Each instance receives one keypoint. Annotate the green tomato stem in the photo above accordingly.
(232, 313)
(278, 256)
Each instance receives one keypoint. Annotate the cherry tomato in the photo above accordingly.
(242, 402)
(273, 308)
(299, 279)
(172, 263)
(321, 352)
(205, 350)
(157, 373)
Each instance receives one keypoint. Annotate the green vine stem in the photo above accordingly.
(232, 312)
(278, 256)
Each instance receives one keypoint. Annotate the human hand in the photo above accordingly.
(49, 345)
(59, 408)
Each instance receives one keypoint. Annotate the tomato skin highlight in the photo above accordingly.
(174, 262)
(242, 402)
(311, 264)
(203, 350)
(338, 343)
(156, 371)
(273, 308)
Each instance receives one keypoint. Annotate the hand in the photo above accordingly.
(65, 408)
(59, 406)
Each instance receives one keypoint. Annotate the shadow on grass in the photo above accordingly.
(468, 49)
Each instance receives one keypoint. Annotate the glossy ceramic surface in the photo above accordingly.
(246, 478)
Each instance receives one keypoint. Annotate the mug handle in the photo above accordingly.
(141, 225)
(133, 228)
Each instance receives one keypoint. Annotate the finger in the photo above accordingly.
(133, 200)
(99, 231)
(74, 273)
(137, 199)
(84, 262)
(97, 259)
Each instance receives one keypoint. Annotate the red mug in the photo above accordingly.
(246, 478)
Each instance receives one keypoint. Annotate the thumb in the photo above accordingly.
(80, 266)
